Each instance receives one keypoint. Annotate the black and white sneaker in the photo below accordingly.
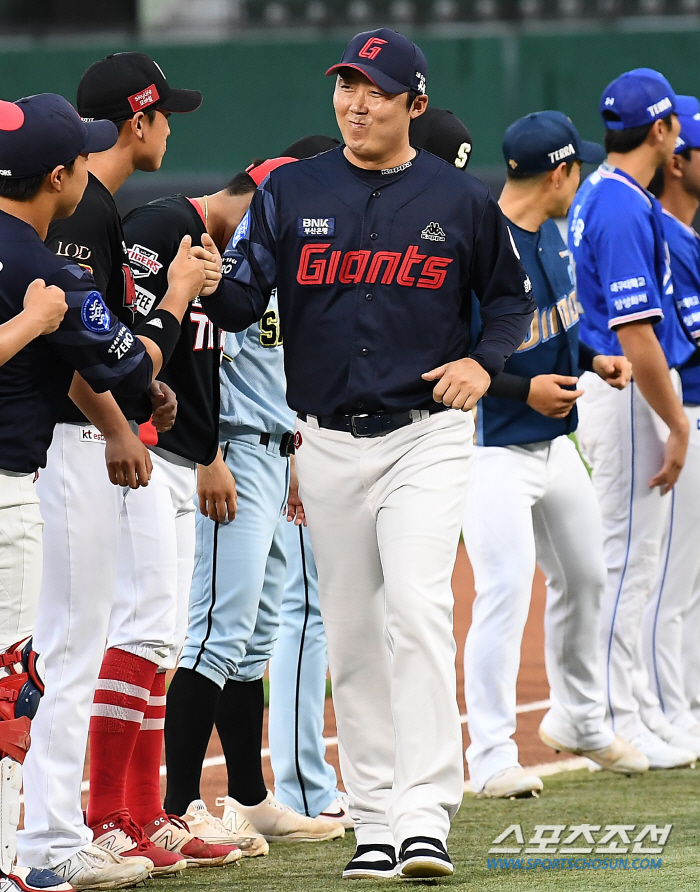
(423, 857)
(371, 862)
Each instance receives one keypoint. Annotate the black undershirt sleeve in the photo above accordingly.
(511, 387)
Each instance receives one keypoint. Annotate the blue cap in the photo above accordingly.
(641, 97)
(388, 59)
(541, 141)
(689, 137)
(42, 132)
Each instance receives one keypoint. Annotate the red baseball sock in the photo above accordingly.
(143, 782)
(120, 700)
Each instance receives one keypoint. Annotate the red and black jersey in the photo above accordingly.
(93, 238)
(153, 234)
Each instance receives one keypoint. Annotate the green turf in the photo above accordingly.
(671, 797)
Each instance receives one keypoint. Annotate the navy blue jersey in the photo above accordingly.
(374, 277)
(34, 384)
(551, 347)
(684, 246)
(622, 267)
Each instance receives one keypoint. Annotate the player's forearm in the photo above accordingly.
(100, 409)
(501, 338)
(233, 307)
(16, 334)
(650, 371)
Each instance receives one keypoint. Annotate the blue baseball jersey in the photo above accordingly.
(252, 379)
(34, 384)
(374, 275)
(684, 246)
(622, 266)
(551, 347)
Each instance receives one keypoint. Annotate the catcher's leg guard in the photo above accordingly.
(21, 688)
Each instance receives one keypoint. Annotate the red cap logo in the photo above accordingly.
(372, 48)
(143, 99)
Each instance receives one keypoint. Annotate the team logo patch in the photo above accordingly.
(241, 230)
(433, 233)
(94, 313)
(298, 441)
(315, 226)
(144, 262)
(144, 98)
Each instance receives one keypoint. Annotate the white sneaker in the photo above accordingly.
(511, 783)
(683, 740)
(222, 831)
(661, 754)
(620, 757)
(95, 868)
(339, 810)
(279, 823)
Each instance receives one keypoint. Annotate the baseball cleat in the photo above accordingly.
(682, 739)
(423, 857)
(620, 757)
(511, 783)
(172, 833)
(339, 810)
(280, 823)
(371, 862)
(96, 868)
(661, 754)
(232, 829)
(119, 834)
(33, 879)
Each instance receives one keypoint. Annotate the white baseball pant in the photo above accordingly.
(670, 645)
(532, 504)
(384, 517)
(623, 440)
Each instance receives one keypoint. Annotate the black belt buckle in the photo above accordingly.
(353, 426)
(287, 444)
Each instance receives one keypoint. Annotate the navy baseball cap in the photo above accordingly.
(41, 132)
(122, 84)
(689, 137)
(642, 96)
(390, 60)
(541, 141)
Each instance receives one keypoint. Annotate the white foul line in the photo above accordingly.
(214, 761)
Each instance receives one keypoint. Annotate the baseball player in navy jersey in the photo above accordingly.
(635, 440)
(304, 780)
(529, 487)
(236, 595)
(671, 615)
(375, 249)
(79, 504)
(43, 156)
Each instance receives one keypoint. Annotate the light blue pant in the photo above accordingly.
(303, 779)
(240, 569)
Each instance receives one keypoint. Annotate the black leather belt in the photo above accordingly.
(376, 425)
(286, 443)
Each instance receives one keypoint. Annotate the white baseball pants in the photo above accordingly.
(20, 556)
(526, 505)
(384, 517)
(623, 440)
(80, 602)
(670, 629)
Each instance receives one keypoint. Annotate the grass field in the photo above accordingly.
(578, 797)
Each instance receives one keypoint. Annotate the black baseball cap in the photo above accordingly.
(541, 141)
(39, 133)
(309, 146)
(122, 84)
(390, 60)
(441, 133)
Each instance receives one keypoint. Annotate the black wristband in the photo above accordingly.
(586, 355)
(163, 329)
(508, 386)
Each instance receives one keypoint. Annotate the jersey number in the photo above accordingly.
(205, 331)
(270, 334)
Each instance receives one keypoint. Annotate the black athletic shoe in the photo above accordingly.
(423, 857)
(371, 862)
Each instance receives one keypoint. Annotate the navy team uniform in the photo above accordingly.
(374, 272)
(616, 236)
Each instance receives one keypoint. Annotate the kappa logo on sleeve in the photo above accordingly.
(307, 226)
(94, 313)
(144, 262)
